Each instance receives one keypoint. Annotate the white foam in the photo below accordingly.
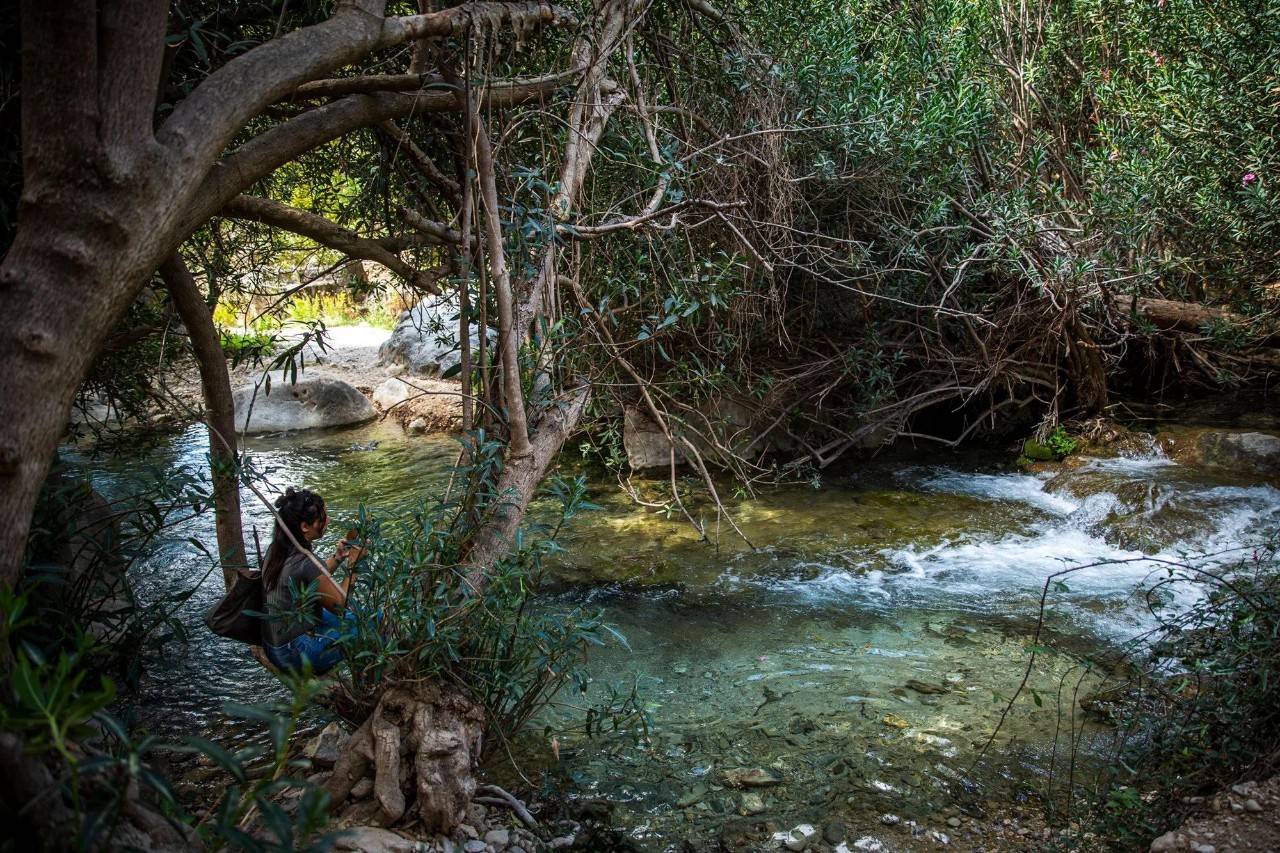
(1008, 573)
(1018, 488)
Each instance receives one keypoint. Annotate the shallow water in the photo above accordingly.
(795, 655)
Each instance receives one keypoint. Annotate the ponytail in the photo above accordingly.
(294, 508)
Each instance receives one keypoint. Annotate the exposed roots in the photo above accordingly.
(420, 749)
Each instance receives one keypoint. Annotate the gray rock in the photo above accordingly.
(499, 838)
(646, 445)
(418, 425)
(890, 819)
(324, 748)
(749, 777)
(393, 392)
(833, 831)
(868, 843)
(1203, 848)
(751, 804)
(1252, 805)
(309, 404)
(475, 846)
(1169, 841)
(469, 831)
(425, 339)
(953, 822)
(801, 837)
(373, 839)
(1245, 451)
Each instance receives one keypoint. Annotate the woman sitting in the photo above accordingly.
(302, 628)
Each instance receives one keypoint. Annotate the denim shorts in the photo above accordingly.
(319, 646)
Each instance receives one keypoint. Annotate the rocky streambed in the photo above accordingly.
(845, 675)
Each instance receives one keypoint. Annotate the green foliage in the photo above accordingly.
(1060, 443)
(419, 619)
(1215, 717)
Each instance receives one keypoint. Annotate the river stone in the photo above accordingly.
(801, 837)
(1245, 452)
(324, 748)
(646, 445)
(751, 804)
(834, 831)
(925, 687)
(373, 839)
(393, 392)
(749, 777)
(308, 404)
(425, 339)
(499, 838)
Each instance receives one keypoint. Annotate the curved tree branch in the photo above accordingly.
(326, 233)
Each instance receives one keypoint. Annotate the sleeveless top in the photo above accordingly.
(284, 622)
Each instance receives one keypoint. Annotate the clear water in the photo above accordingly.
(794, 656)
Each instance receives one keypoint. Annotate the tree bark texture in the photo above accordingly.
(219, 413)
(519, 480)
(106, 198)
(422, 745)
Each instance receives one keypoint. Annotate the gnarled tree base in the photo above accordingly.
(419, 750)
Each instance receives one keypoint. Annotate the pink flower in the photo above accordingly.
(1249, 178)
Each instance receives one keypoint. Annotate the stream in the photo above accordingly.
(862, 653)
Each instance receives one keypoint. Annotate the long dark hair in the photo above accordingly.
(294, 507)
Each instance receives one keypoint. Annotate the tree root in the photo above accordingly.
(492, 795)
(422, 745)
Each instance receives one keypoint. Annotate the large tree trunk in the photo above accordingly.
(219, 413)
(518, 482)
(106, 198)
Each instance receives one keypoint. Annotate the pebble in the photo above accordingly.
(801, 837)
(1203, 848)
(833, 832)
(868, 843)
(751, 804)
(562, 841)
(890, 819)
(499, 838)
(940, 837)
(418, 425)
(469, 831)
(953, 822)
(1252, 805)
(475, 846)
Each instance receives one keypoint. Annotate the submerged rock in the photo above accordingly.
(749, 777)
(308, 404)
(751, 804)
(801, 837)
(925, 687)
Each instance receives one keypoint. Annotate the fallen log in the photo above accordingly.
(1168, 315)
